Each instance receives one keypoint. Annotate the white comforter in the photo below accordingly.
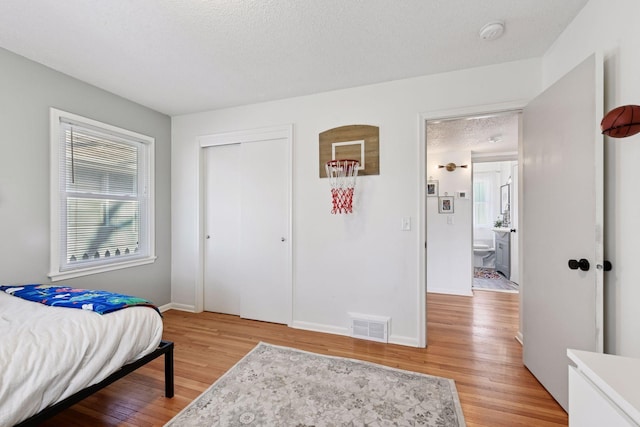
(49, 353)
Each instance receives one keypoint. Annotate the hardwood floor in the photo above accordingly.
(471, 340)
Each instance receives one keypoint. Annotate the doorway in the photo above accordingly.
(471, 162)
(495, 222)
(474, 135)
(576, 302)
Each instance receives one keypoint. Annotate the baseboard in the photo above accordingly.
(319, 327)
(520, 338)
(400, 340)
(335, 330)
(449, 292)
(164, 308)
(177, 306)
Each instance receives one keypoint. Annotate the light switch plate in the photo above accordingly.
(406, 223)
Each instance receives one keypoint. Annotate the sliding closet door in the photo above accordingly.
(247, 245)
(266, 290)
(222, 257)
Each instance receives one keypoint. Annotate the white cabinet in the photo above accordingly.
(604, 390)
(503, 253)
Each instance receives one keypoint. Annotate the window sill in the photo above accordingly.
(70, 274)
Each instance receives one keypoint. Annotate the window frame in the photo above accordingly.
(489, 183)
(57, 212)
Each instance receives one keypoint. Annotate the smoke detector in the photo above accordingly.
(492, 30)
(494, 139)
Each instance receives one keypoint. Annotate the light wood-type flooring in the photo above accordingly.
(470, 339)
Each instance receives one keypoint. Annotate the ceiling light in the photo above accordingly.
(492, 30)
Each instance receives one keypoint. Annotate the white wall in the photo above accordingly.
(611, 26)
(449, 236)
(347, 263)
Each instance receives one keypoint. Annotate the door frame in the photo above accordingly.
(477, 110)
(238, 137)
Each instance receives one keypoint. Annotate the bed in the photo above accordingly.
(52, 357)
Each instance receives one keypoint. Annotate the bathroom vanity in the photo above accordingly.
(503, 251)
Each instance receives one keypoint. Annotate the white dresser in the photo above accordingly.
(604, 390)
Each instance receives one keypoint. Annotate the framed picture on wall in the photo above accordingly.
(432, 188)
(445, 204)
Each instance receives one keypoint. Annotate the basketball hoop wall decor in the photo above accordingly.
(342, 176)
(344, 153)
(356, 142)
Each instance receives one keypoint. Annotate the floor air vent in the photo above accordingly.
(374, 328)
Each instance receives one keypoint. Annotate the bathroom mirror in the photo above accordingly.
(504, 198)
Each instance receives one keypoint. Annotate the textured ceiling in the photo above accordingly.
(183, 56)
(487, 134)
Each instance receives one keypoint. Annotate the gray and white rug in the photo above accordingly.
(488, 278)
(280, 386)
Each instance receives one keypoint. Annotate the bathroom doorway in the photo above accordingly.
(455, 147)
(494, 200)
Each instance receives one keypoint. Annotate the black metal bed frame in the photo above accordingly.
(165, 347)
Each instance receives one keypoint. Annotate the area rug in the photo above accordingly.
(485, 273)
(280, 386)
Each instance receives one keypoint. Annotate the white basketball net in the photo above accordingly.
(342, 176)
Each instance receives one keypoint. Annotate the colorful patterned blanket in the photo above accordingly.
(101, 302)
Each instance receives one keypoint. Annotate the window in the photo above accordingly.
(483, 212)
(101, 197)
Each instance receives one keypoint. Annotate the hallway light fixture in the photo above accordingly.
(452, 166)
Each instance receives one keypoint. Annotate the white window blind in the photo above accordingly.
(104, 196)
(482, 199)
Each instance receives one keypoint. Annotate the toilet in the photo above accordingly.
(483, 255)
